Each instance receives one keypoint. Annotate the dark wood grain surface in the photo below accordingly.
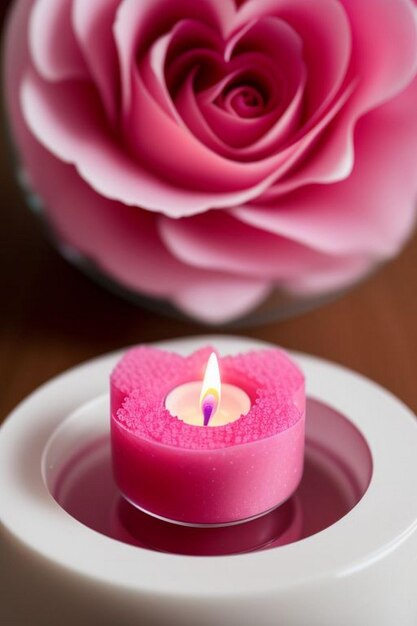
(52, 317)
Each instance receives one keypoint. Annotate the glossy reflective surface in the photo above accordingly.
(337, 471)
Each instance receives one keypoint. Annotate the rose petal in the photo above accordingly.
(337, 276)
(186, 34)
(331, 160)
(141, 22)
(191, 116)
(231, 246)
(384, 61)
(124, 242)
(187, 38)
(53, 45)
(267, 47)
(233, 128)
(325, 32)
(78, 135)
(93, 28)
(252, 135)
(218, 301)
(216, 128)
(356, 215)
(278, 42)
(384, 56)
(194, 164)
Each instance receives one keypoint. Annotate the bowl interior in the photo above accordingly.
(77, 470)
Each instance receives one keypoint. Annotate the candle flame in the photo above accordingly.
(210, 390)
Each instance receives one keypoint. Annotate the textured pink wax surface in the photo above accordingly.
(145, 376)
(202, 474)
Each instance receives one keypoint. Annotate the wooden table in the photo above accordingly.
(52, 317)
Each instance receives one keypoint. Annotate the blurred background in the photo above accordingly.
(53, 317)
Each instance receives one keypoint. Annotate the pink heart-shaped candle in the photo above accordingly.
(197, 474)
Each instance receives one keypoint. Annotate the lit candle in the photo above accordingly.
(198, 443)
(209, 403)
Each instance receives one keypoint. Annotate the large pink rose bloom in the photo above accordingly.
(208, 151)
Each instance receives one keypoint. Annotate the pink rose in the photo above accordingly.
(207, 151)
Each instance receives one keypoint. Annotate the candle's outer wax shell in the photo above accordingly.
(208, 487)
(193, 475)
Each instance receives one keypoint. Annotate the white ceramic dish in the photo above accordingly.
(361, 570)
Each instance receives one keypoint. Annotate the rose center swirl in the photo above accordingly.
(242, 97)
(246, 101)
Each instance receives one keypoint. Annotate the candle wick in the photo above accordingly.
(208, 409)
